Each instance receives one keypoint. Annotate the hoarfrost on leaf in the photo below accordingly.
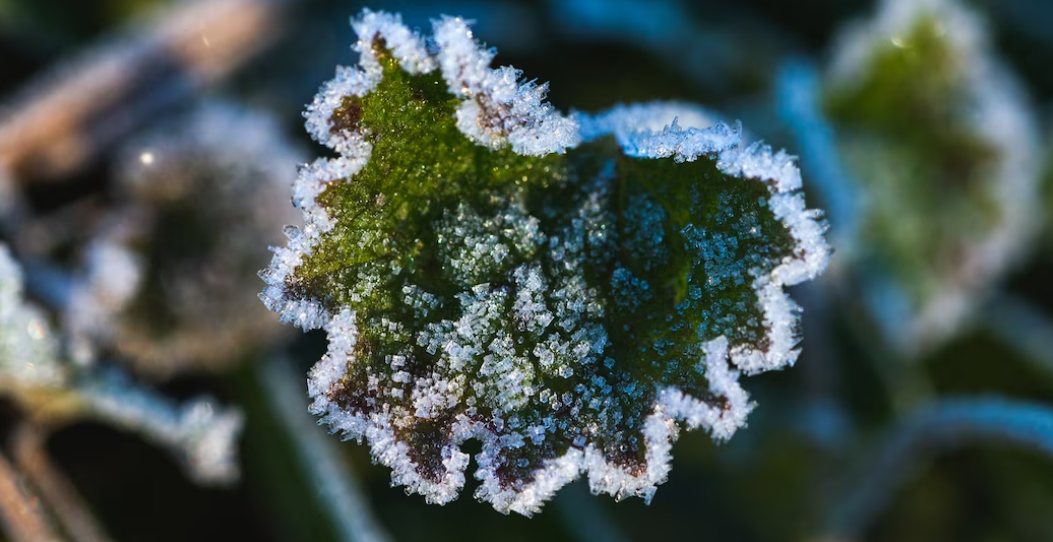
(626, 121)
(565, 290)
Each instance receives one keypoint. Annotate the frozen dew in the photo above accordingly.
(498, 109)
(568, 305)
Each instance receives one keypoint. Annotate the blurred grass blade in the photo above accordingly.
(340, 494)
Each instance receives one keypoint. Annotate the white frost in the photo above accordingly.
(751, 163)
(498, 110)
(626, 120)
(557, 309)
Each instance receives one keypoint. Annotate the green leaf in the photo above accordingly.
(942, 143)
(563, 290)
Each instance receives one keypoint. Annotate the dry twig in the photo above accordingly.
(20, 513)
(62, 498)
(64, 118)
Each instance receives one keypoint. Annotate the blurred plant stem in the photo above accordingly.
(797, 91)
(1021, 326)
(938, 426)
(62, 120)
(28, 447)
(905, 383)
(20, 512)
(339, 492)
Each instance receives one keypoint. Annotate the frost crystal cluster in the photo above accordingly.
(564, 290)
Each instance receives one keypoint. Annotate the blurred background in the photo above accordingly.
(147, 148)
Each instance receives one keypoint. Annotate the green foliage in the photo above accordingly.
(906, 133)
(421, 164)
(565, 307)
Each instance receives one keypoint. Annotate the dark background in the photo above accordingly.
(817, 424)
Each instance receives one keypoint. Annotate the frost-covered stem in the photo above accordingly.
(797, 95)
(201, 433)
(62, 119)
(55, 489)
(20, 513)
(940, 426)
(339, 491)
(1022, 326)
(584, 517)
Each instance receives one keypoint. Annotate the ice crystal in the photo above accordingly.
(941, 141)
(554, 287)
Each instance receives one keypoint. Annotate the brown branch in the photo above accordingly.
(61, 120)
(20, 514)
(62, 498)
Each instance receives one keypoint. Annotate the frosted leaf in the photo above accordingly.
(158, 286)
(566, 304)
(497, 108)
(943, 146)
